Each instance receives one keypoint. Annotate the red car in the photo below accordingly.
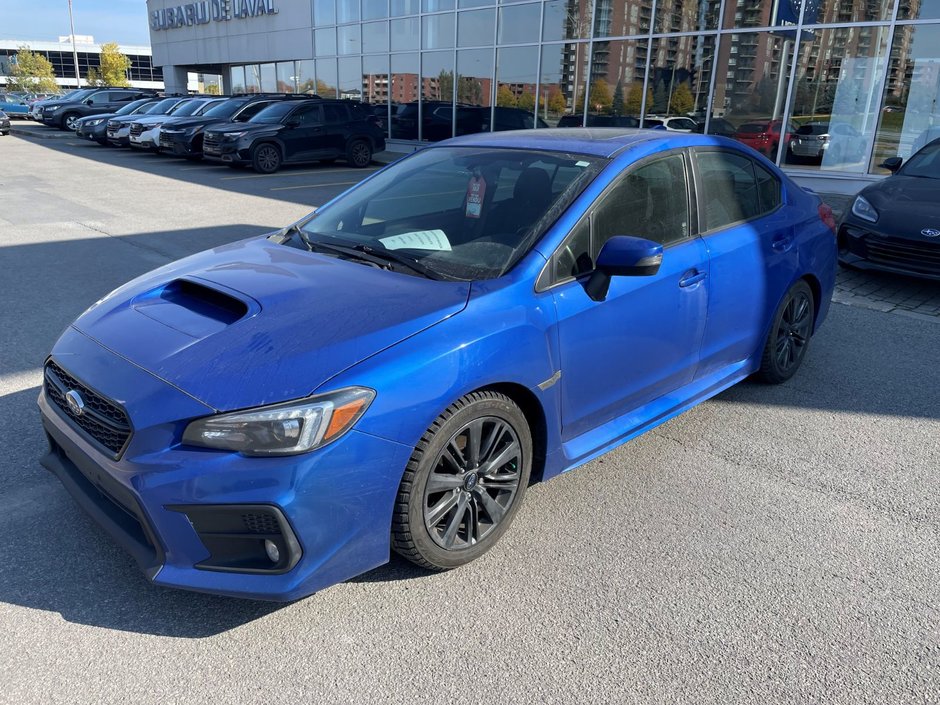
(764, 136)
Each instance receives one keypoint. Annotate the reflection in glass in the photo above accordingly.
(374, 9)
(404, 69)
(516, 81)
(615, 18)
(910, 108)
(563, 76)
(375, 86)
(680, 72)
(436, 5)
(374, 37)
(324, 41)
(474, 90)
(752, 74)
(839, 11)
(397, 8)
(350, 78)
(347, 39)
(437, 95)
(237, 74)
(760, 13)
(346, 11)
(306, 76)
(519, 24)
(253, 78)
(919, 10)
(687, 15)
(404, 33)
(836, 97)
(326, 78)
(475, 28)
(566, 19)
(287, 79)
(615, 91)
(437, 31)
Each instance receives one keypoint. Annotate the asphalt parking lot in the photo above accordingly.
(773, 545)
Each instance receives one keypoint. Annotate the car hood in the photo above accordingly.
(152, 119)
(245, 126)
(191, 121)
(102, 116)
(905, 204)
(256, 323)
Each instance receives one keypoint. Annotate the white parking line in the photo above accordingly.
(335, 183)
(297, 173)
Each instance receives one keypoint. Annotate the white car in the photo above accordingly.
(672, 124)
(145, 133)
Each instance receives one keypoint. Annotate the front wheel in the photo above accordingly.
(70, 122)
(266, 158)
(359, 154)
(464, 483)
(789, 335)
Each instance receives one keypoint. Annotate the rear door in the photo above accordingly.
(748, 232)
(303, 134)
(336, 124)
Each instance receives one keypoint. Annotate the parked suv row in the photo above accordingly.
(65, 112)
(261, 130)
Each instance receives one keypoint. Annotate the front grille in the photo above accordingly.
(211, 140)
(165, 141)
(908, 254)
(112, 129)
(102, 420)
(137, 129)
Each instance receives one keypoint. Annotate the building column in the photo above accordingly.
(175, 79)
(226, 81)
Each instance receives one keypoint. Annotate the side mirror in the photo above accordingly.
(623, 256)
(293, 122)
(892, 164)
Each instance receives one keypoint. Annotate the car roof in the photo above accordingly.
(594, 141)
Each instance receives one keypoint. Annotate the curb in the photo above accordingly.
(43, 133)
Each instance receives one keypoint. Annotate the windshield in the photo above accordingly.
(925, 164)
(225, 109)
(78, 95)
(189, 107)
(131, 107)
(464, 213)
(164, 106)
(274, 113)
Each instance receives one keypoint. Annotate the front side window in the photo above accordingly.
(466, 213)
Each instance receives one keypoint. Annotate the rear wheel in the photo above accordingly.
(464, 483)
(266, 158)
(789, 335)
(359, 154)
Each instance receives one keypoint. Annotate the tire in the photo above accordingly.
(266, 158)
(68, 122)
(449, 511)
(789, 336)
(359, 154)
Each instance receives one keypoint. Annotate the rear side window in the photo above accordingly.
(308, 115)
(734, 189)
(335, 114)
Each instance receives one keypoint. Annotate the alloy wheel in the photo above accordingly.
(473, 484)
(70, 122)
(268, 158)
(794, 331)
(361, 154)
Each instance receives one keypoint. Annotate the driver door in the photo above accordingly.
(643, 340)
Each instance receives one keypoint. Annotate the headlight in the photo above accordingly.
(232, 135)
(92, 123)
(51, 108)
(283, 429)
(864, 210)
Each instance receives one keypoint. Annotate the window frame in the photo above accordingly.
(699, 188)
(548, 270)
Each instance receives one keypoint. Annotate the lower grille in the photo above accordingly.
(100, 419)
(165, 141)
(908, 254)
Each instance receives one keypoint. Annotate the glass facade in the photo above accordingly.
(820, 85)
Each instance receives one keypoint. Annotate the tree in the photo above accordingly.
(114, 66)
(660, 99)
(445, 85)
(556, 101)
(526, 101)
(634, 102)
(599, 98)
(682, 101)
(93, 78)
(31, 72)
(616, 107)
(469, 90)
(213, 89)
(324, 90)
(505, 97)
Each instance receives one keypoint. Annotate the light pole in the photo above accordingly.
(78, 77)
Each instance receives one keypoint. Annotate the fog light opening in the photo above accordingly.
(274, 553)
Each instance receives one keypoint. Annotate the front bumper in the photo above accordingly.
(227, 152)
(336, 501)
(95, 133)
(148, 139)
(178, 144)
(120, 137)
(860, 248)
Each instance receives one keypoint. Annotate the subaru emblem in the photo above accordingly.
(75, 402)
(930, 232)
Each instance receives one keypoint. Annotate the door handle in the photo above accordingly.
(691, 278)
(782, 243)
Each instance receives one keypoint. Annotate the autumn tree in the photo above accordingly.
(616, 107)
(31, 72)
(682, 101)
(526, 101)
(599, 98)
(505, 97)
(556, 101)
(634, 100)
(213, 89)
(114, 66)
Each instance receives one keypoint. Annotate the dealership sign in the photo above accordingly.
(207, 11)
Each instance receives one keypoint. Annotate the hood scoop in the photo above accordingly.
(193, 307)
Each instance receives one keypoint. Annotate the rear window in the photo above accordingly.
(752, 128)
(813, 129)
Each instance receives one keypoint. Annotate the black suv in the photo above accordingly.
(295, 132)
(183, 136)
(66, 112)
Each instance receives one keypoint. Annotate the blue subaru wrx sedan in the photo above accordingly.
(273, 416)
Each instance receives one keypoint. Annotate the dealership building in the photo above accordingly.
(855, 81)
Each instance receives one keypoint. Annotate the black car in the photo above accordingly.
(510, 119)
(95, 127)
(4, 123)
(894, 225)
(65, 113)
(296, 132)
(183, 136)
(717, 126)
(437, 120)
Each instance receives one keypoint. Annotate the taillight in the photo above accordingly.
(826, 215)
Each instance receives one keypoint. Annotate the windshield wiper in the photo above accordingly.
(412, 263)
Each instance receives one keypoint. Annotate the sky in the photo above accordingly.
(121, 21)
